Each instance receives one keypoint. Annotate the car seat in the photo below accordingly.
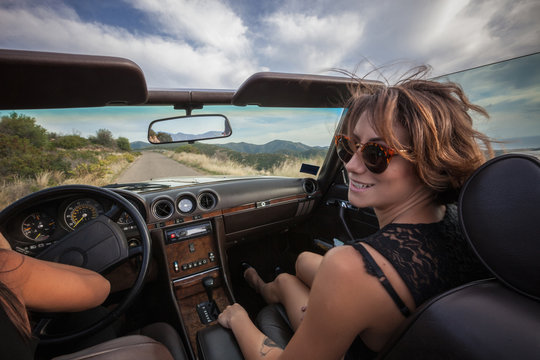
(158, 341)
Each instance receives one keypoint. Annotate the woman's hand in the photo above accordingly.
(235, 311)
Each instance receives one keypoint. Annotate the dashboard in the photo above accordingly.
(244, 206)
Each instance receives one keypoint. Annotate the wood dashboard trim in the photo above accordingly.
(228, 211)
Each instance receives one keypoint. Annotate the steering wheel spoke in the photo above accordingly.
(114, 212)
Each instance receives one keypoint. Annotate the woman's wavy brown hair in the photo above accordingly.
(443, 146)
(14, 308)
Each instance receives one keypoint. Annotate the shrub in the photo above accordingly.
(123, 144)
(24, 127)
(70, 142)
(187, 149)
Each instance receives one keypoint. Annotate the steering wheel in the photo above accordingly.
(97, 245)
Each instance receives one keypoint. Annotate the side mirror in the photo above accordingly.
(189, 128)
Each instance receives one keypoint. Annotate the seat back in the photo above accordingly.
(489, 319)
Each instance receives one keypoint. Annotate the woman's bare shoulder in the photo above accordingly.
(344, 260)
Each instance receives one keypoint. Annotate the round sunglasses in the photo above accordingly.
(376, 157)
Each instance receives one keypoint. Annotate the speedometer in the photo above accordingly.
(80, 211)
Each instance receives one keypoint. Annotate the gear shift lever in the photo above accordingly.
(208, 283)
(208, 310)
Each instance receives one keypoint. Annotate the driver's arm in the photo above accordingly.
(4, 244)
(51, 287)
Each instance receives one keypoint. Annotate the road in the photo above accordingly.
(153, 165)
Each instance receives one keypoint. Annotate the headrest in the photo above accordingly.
(499, 212)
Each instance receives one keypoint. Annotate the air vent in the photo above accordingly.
(207, 201)
(163, 209)
(310, 186)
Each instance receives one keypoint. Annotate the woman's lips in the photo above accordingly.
(359, 186)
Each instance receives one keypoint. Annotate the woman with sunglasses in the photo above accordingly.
(407, 150)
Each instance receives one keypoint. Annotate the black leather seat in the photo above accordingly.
(491, 319)
(499, 210)
(158, 341)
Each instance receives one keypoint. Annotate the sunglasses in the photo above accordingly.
(376, 157)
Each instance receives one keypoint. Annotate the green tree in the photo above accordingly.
(103, 137)
(25, 128)
(123, 144)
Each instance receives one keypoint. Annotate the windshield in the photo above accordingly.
(510, 92)
(101, 146)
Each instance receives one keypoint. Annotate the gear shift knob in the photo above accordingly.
(208, 283)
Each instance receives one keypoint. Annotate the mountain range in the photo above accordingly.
(273, 147)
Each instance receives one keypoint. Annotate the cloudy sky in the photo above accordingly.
(219, 43)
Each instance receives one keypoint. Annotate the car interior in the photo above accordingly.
(173, 253)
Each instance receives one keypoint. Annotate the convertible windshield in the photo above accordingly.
(102, 146)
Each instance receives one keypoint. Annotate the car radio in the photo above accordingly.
(187, 232)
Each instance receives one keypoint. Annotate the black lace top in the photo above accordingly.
(430, 258)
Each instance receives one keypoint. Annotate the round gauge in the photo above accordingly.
(38, 226)
(186, 205)
(125, 219)
(80, 211)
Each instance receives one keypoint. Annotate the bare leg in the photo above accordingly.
(286, 289)
(307, 265)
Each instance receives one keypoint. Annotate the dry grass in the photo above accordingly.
(111, 165)
(221, 166)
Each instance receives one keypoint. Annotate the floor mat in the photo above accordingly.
(264, 254)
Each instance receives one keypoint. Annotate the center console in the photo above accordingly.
(196, 272)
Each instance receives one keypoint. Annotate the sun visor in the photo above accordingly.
(296, 90)
(39, 80)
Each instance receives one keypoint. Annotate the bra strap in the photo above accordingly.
(383, 279)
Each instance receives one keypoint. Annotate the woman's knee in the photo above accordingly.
(307, 265)
(284, 279)
(302, 260)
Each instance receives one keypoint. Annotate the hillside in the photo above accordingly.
(273, 147)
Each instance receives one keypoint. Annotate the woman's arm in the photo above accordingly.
(50, 287)
(253, 343)
(4, 244)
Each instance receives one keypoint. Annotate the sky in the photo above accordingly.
(219, 43)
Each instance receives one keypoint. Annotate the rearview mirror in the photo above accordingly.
(188, 129)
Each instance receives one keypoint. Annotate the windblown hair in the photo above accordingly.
(14, 309)
(443, 146)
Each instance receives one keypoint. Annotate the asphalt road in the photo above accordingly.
(153, 165)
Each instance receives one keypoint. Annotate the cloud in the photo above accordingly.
(205, 23)
(166, 61)
(219, 43)
(309, 42)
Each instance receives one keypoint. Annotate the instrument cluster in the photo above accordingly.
(36, 229)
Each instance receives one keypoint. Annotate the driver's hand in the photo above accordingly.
(4, 244)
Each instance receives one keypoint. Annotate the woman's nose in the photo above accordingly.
(356, 164)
